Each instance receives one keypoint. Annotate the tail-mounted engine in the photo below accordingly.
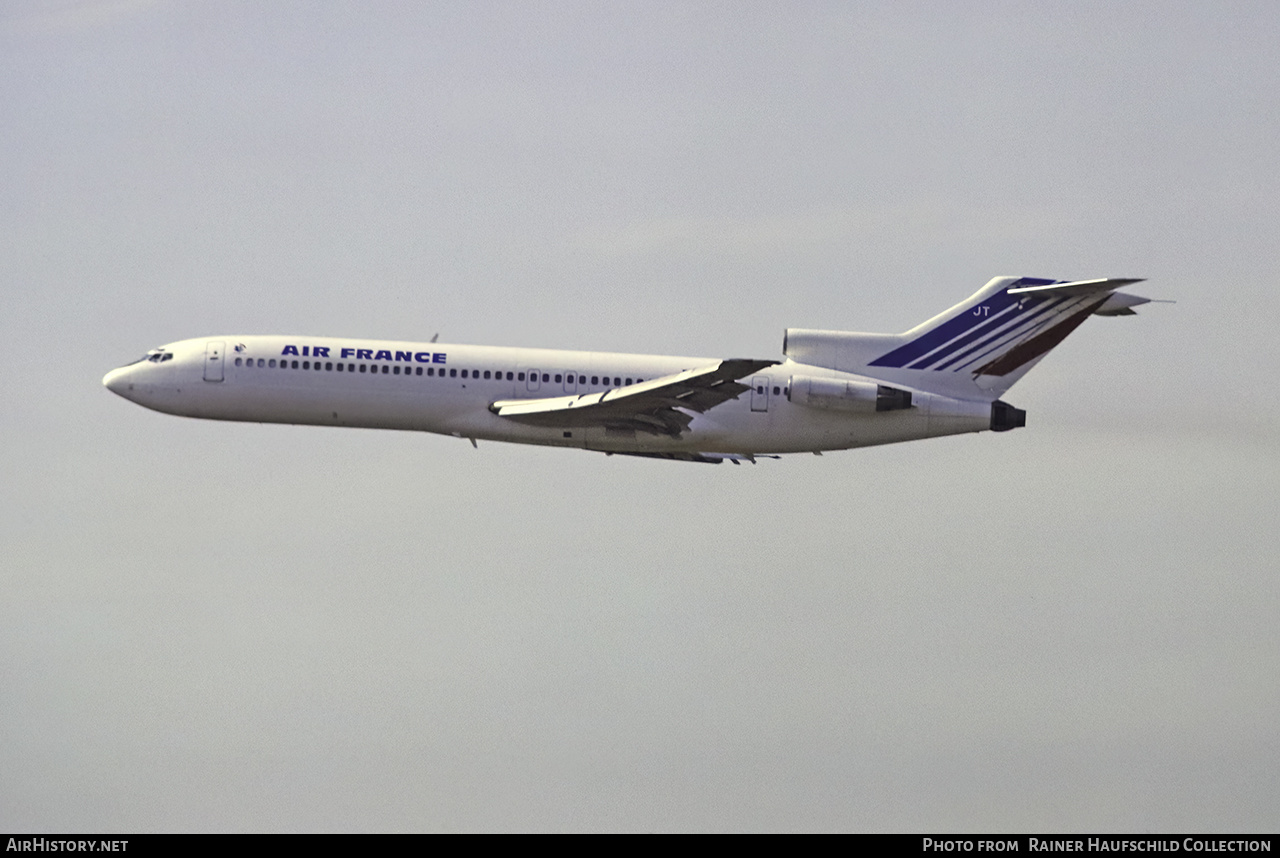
(836, 394)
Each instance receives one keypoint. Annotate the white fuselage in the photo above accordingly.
(447, 389)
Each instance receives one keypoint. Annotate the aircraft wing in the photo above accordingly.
(660, 406)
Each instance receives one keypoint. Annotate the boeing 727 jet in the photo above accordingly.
(833, 390)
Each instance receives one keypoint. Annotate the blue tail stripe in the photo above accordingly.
(1001, 322)
(986, 350)
(955, 327)
(1036, 312)
(940, 335)
(1001, 318)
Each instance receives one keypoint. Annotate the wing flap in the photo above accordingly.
(660, 406)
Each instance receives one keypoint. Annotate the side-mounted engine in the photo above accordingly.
(843, 395)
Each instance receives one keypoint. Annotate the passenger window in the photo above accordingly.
(295, 365)
(272, 363)
(328, 367)
(519, 376)
(628, 381)
(557, 378)
(486, 373)
(237, 361)
(617, 382)
(362, 368)
(431, 370)
(509, 377)
(419, 372)
(395, 370)
(306, 364)
(546, 376)
(453, 373)
(386, 370)
(775, 390)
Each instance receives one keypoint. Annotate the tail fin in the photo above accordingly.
(979, 348)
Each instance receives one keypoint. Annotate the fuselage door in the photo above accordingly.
(213, 360)
(760, 393)
(571, 382)
(533, 383)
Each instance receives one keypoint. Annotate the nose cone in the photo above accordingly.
(117, 381)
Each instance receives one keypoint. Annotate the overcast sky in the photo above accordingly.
(231, 627)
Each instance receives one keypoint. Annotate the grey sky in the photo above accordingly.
(215, 626)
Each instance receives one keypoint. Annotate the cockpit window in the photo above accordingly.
(153, 356)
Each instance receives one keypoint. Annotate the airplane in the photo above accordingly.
(833, 390)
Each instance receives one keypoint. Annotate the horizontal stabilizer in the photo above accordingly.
(1121, 304)
(1077, 287)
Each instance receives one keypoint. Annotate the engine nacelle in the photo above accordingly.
(836, 394)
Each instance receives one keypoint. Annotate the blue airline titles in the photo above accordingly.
(366, 354)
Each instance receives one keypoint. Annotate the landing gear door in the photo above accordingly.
(760, 393)
(213, 360)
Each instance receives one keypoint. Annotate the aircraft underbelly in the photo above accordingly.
(730, 428)
(325, 407)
